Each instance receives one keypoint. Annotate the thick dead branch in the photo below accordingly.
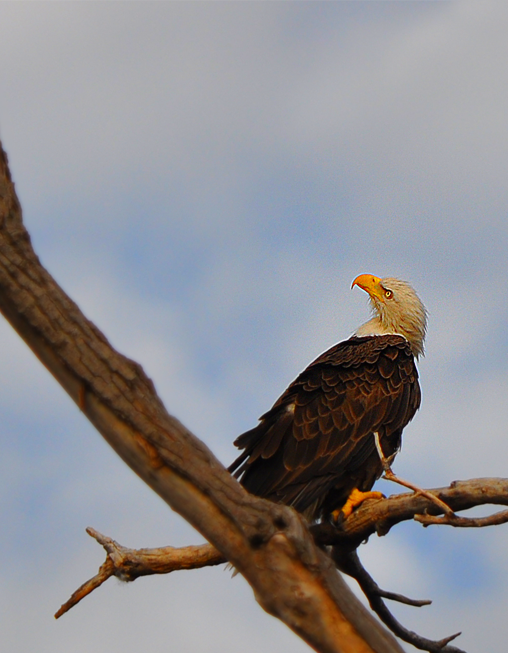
(270, 545)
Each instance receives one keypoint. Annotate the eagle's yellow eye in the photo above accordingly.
(388, 294)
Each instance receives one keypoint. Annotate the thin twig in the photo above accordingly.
(390, 476)
(400, 598)
(106, 570)
(496, 519)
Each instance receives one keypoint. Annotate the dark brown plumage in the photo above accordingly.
(316, 444)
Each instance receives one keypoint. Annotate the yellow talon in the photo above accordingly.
(355, 499)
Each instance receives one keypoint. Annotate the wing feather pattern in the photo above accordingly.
(316, 443)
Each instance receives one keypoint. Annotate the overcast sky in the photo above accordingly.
(205, 180)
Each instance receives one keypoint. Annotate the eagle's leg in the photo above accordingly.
(390, 476)
(355, 499)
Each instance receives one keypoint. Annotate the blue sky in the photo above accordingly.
(205, 180)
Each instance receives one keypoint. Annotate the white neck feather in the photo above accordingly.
(375, 327)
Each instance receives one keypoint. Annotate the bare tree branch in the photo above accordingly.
(370, 517)
(350, 564)
(380, 516)
(496, 519)
(129, 564)
(270, 545)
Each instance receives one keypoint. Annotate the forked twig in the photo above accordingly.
(128, 564)
(351, 565)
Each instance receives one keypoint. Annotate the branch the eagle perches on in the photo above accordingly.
(371, 517)
(293, 575)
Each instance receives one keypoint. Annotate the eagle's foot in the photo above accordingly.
(355, 499)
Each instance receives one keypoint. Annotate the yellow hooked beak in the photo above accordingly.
(370, 284)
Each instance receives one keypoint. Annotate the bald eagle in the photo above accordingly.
(326, 440)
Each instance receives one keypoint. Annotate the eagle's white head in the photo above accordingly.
(397, 310)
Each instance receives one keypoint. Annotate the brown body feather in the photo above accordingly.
(317, 441)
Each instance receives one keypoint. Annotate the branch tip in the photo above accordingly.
(400, 598)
